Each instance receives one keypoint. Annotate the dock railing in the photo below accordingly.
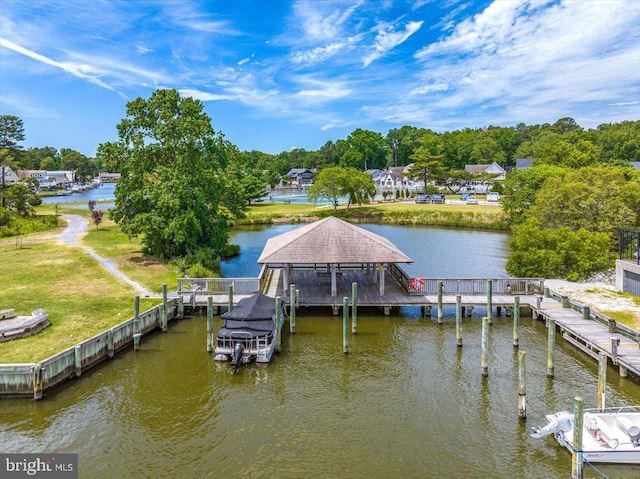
(423, 286)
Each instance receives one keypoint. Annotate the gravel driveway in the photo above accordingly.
(76, 227)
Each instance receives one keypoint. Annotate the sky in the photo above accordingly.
(276, 75)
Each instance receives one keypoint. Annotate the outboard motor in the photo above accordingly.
(238, 350)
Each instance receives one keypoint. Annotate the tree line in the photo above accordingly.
(183, 183)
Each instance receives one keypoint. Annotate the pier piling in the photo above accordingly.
(516, 321)
(209, 324)
(345, 325)
(279, 318)
(230, 305)
(354, 308)
(136, 323)
(485, 346)
(551, 346)
(522, 385)
(602, 380)
(440, 308)
(490, 301)
(165, 313)
(459, 320)
(576, 454)
(292, 309)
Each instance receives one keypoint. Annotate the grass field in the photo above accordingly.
(81, 297)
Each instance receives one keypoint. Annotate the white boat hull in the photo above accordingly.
(611, 436)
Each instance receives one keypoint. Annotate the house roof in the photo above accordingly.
(522, 163)
(330, 240)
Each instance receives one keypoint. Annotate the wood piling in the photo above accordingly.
(576, 454)
(551, 346)
(345, 324)
(77, 359)
(490, 301)
(459, 320)
(440, 308)
(230, 305)
(136, 323)
(37, 381)
(278, 321)
(602, 380)
(209, 324)
(110, 345)
(522, 385)
(516, 321)
(354, 308)
(485, 346)
(292, 309)
(164, 313)
(181, 307)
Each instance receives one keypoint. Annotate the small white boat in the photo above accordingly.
(611, 435)
(249, 332)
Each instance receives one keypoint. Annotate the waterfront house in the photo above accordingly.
(9, 176)
(300, 176)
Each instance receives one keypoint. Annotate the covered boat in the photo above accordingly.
(611, 435)
(249, 331)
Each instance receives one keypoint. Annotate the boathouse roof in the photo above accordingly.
(331, 240)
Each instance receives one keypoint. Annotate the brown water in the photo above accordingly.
(405, 403)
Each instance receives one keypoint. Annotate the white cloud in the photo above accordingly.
(317, 54)
(80, 70)
(387, 39)
(323, 20)
(202, 95)
(535, 58)
(142, 50)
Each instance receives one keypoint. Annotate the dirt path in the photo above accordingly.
(76, 228)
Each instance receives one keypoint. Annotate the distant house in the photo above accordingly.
(109, 177)
(300, 176)
(482, 185)
(635, 164)
(62, 178)
(524, 163)
(40, 175)
(9, 177)
(494, 169)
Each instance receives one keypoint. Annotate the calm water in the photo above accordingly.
(405, 403)
(101, 193)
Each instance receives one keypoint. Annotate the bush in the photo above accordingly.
(564, 253)
(197, 270)
(14, 225)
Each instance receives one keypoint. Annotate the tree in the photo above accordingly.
(521, 187)
(547, 253)
(11, 132)
(334, 182)
(21, 199)
(369, 147)
(253, 187)
(599, 199)
(427, 159)
(174, 189)
(403, 143)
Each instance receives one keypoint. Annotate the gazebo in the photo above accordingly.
(328, 247)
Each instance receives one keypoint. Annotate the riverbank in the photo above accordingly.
(392, 212)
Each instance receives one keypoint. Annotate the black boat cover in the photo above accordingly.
(254, 314)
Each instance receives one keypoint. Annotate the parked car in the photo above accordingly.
(437, 198)
(493, 197)
(472, 200)
(423, 199)
(464, 196)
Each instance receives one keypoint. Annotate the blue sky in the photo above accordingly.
(274, 75)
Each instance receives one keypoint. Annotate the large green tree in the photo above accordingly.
(335, 182)
(599, 199)
(174, 189)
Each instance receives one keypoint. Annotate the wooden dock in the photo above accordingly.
(590, 331)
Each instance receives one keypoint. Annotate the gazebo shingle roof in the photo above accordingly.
(330, 240)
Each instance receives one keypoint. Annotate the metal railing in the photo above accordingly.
(629, 245)
(422, 286)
